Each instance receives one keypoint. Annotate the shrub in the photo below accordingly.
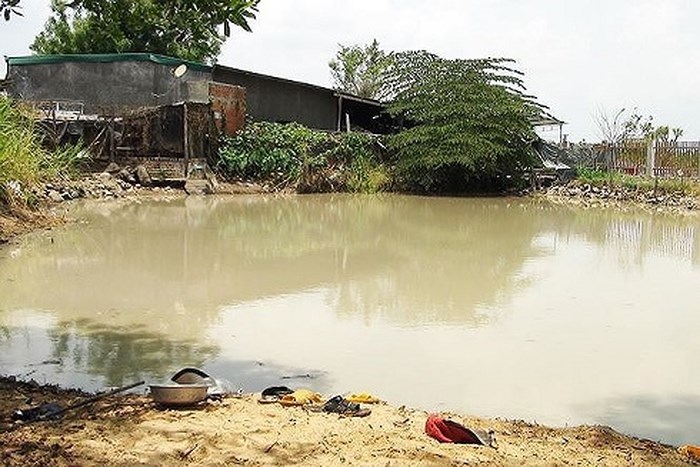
(291, 155)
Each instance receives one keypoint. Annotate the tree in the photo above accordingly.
(610, 127)
(359, 70)
(468, 122)
(617, 129)
(10, 7)
(186, 29)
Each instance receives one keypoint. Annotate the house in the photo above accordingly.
(160, 112)
(110, 84)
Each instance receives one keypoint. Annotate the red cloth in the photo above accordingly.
(447, 431)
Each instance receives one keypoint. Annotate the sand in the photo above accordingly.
(133, 430)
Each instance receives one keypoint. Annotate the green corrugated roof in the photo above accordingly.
(106, 58)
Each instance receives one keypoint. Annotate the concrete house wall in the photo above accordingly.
(105, 84)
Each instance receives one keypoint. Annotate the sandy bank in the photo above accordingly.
(131, 430)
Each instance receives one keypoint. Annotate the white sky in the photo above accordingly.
(578, 55)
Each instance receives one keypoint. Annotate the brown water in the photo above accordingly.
(495, 307)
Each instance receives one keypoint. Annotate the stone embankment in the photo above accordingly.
(114, 182)
(589, 195)
(119, 182)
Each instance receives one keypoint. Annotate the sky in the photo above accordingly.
(580, 57)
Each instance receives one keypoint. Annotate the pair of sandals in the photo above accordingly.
(341, 406)
(310, 400)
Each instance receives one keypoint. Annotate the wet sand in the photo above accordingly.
(132, 430)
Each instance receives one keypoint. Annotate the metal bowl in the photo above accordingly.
(178, 395)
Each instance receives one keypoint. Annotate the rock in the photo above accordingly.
(124, 175)
(196, 187)
(104, 177)
(55, 196)
(142, 176)
(113, 168)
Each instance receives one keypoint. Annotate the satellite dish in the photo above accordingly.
(180, 71)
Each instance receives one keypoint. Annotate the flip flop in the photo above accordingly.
(277, 391)
(363, 398)
(272, 394)
(300, 397)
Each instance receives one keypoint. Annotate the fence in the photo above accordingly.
(660, 158)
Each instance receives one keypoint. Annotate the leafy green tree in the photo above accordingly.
(187, 29)
(467, 122)
(359, 70)
(10, 7)
(640, 127)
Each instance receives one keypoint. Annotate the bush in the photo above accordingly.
(291, 155)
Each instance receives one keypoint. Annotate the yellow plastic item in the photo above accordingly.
(363, 398)
(301, 397)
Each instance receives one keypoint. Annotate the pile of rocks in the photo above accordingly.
(614, 195)
(114, 182)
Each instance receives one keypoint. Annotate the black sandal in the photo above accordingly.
(344, 407)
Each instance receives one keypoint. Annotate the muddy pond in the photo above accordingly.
(495, 307)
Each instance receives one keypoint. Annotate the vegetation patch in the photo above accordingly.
(291, 156)
(612, 179)
(25, 160)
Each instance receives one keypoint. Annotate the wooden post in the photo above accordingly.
(561, 135)
(340, 114)
(347, 122)
(112, 141)
(185, 138)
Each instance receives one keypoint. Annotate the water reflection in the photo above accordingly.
(550, 306)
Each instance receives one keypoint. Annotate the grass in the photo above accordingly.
(601, 178)
(24, 160)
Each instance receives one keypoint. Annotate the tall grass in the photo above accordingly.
(24, 161)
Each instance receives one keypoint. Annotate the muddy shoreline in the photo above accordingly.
(48, 197)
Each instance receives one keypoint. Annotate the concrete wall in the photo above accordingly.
(277, 100)
(106, 87)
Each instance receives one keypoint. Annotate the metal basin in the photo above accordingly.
(178, 395)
